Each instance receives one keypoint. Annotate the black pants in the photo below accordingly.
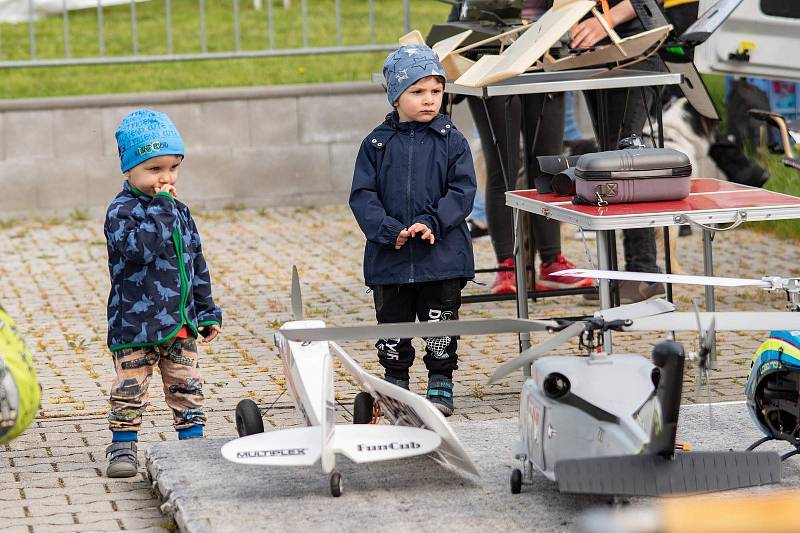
(627, 111)
(430, 301)
(546, 233)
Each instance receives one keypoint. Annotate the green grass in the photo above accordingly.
(786, 180)
(150, 20)
(169, 76)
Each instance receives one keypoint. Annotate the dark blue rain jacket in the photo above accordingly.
(159, 278)
(408, 172)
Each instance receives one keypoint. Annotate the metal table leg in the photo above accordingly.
(708, 270)
(604, 261)
(522, 284)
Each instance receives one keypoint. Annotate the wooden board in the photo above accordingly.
(532, 44)
(412, 37)
(631, 48)
(455, 65)
(473, 76)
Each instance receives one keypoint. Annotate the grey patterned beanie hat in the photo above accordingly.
(406, 66)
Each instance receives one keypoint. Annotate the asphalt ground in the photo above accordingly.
(206, 494)
(55, 284)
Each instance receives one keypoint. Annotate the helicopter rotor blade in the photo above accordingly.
(404, 330)
(724, 321)
(297, 297)
(656, 306)
(535, 352)
(665, 278)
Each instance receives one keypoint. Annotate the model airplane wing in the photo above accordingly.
(404, 408)
(404, 330)
(454, 64)
(302, 446)
(365, 443)
(626, 49)
(412, 37)
(287, 447)
(531, 45)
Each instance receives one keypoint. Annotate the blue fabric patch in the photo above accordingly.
(192, 432)
(124, 436)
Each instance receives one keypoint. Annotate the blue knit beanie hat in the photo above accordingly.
(144, 134)
(406, 66)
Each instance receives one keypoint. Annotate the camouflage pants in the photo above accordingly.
(180, 373)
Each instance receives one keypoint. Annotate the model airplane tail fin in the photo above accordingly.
(297, 297)
(367, 443)
(287, 447)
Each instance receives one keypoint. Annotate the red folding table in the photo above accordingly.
(711, 201)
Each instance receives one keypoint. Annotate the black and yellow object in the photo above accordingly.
(19, 390)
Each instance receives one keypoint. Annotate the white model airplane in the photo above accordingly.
(418, 427)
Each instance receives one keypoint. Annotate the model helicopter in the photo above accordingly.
(588, 440)
(773, 383)
(19, 391)
(417, 428)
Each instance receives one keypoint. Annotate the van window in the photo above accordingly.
(781, 8)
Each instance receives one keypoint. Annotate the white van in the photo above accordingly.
(761, 38)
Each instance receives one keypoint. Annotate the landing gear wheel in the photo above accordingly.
(362, 408)
(336, 484)
(248, 418)
(516, 481)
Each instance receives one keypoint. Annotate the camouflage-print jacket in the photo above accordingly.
(153, 293)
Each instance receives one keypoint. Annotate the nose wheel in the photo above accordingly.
(336, 484)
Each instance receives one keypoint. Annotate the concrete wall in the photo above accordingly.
(274, 146)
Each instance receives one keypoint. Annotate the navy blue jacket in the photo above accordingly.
(159, 278)
(408, 172)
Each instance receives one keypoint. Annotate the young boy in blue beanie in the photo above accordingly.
(160, 299)
(413, 188)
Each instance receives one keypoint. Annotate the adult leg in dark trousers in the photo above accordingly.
(546, 233)
(429, 301)
(626, 113)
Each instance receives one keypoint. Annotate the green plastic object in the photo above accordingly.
(19, 390)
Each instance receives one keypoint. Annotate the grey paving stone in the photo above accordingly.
(56, 285)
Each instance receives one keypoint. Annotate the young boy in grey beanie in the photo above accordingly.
(413, 187)
(160, 299)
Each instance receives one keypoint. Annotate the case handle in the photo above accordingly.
(683, 218)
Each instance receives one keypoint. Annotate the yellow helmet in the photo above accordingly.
(19, 390)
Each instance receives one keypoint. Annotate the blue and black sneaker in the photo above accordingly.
(440, 393)
(402, 383)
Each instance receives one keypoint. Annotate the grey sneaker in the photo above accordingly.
(122, 459)
(631, 292)
(402, 383)
(440, 393)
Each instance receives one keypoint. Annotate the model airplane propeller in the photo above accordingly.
(417, 428)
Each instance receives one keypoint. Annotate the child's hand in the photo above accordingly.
(427, 234)
(209, 333)
(167, 188)
(402, 237)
